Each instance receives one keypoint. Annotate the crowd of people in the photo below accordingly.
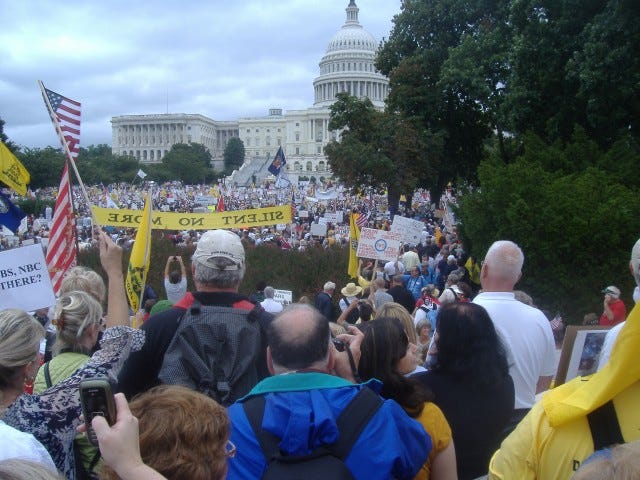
(430, 365)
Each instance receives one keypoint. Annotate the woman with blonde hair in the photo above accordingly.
(86, 280)
(52, 417)
(78, 320)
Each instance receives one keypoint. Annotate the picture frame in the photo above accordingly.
(580, 352)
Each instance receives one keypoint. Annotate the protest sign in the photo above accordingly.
(24, 279)
(379, 244)
(284, 297)
(411, 230)
(196, 221)
(319, 229)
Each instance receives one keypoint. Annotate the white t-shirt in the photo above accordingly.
(175, 291)
(20, 445)
(609, 340)
(271, 306)
(528, 339)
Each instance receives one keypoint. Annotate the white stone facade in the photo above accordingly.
(347, 66)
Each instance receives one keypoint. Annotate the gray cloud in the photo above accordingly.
(222, 59)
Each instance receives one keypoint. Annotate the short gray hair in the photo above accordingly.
(329, 286)
(217, 276)
(505, 260)
(269, 292)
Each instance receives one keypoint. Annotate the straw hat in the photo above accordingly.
(351, 290)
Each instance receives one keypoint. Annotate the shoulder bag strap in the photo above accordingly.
(605, 427)
(47, 375)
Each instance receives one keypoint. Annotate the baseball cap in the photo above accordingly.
(613, 291)
(219, 244)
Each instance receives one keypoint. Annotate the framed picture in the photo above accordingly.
(580, 351)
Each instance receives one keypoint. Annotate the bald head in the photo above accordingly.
(298, 338)
(502, 267)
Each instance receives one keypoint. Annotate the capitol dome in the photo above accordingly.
(348, 65)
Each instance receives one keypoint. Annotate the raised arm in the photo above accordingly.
(183, 271)
(111, 260)
(166, 267)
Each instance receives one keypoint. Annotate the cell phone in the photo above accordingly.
(96, 398)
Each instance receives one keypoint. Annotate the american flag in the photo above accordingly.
(363, 219)
(61, 251)
(67, 114)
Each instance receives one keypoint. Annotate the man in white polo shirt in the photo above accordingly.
(524, 330)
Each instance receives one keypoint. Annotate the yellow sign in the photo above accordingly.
(257, 217)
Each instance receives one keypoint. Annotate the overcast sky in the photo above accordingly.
(220, 58)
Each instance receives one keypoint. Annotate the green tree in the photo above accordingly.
(190, 163)
(4, 139)
(233, 154)
(97, 164)
(563, 220)
(378, 149)
(413, 57)
(44, 165)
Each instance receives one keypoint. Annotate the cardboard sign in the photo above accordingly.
(334, 217)
(379, 244)
(411, 230)
(319, 229)
(24, 279)
(285, 297)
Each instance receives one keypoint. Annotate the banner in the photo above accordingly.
(196, 221)
(379, 244)
(24, 279)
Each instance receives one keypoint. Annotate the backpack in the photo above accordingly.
(215, 351)
(324, 462)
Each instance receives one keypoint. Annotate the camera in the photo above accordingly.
(339, 344)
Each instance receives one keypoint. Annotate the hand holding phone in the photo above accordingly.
(96, 399)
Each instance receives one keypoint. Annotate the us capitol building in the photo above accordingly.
(347, 66)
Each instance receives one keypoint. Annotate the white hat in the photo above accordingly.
(351, 290)
(219, 244)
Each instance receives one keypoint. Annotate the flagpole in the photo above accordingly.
(65, 146)
(73, 209)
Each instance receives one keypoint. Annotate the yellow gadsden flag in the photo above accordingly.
(12, 172)
(139, 260)
(354, 238)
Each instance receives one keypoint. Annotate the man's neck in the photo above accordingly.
(209, 289)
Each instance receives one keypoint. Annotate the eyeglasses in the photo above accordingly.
(230, 449)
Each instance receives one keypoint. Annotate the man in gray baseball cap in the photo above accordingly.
(217, 268)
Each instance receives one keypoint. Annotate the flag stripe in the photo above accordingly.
(67, 113)
(61, 251)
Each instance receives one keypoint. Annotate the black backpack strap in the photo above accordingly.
(351, 423)
(47, 375)
(605, 427)
(353, 419)
(254, 410)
